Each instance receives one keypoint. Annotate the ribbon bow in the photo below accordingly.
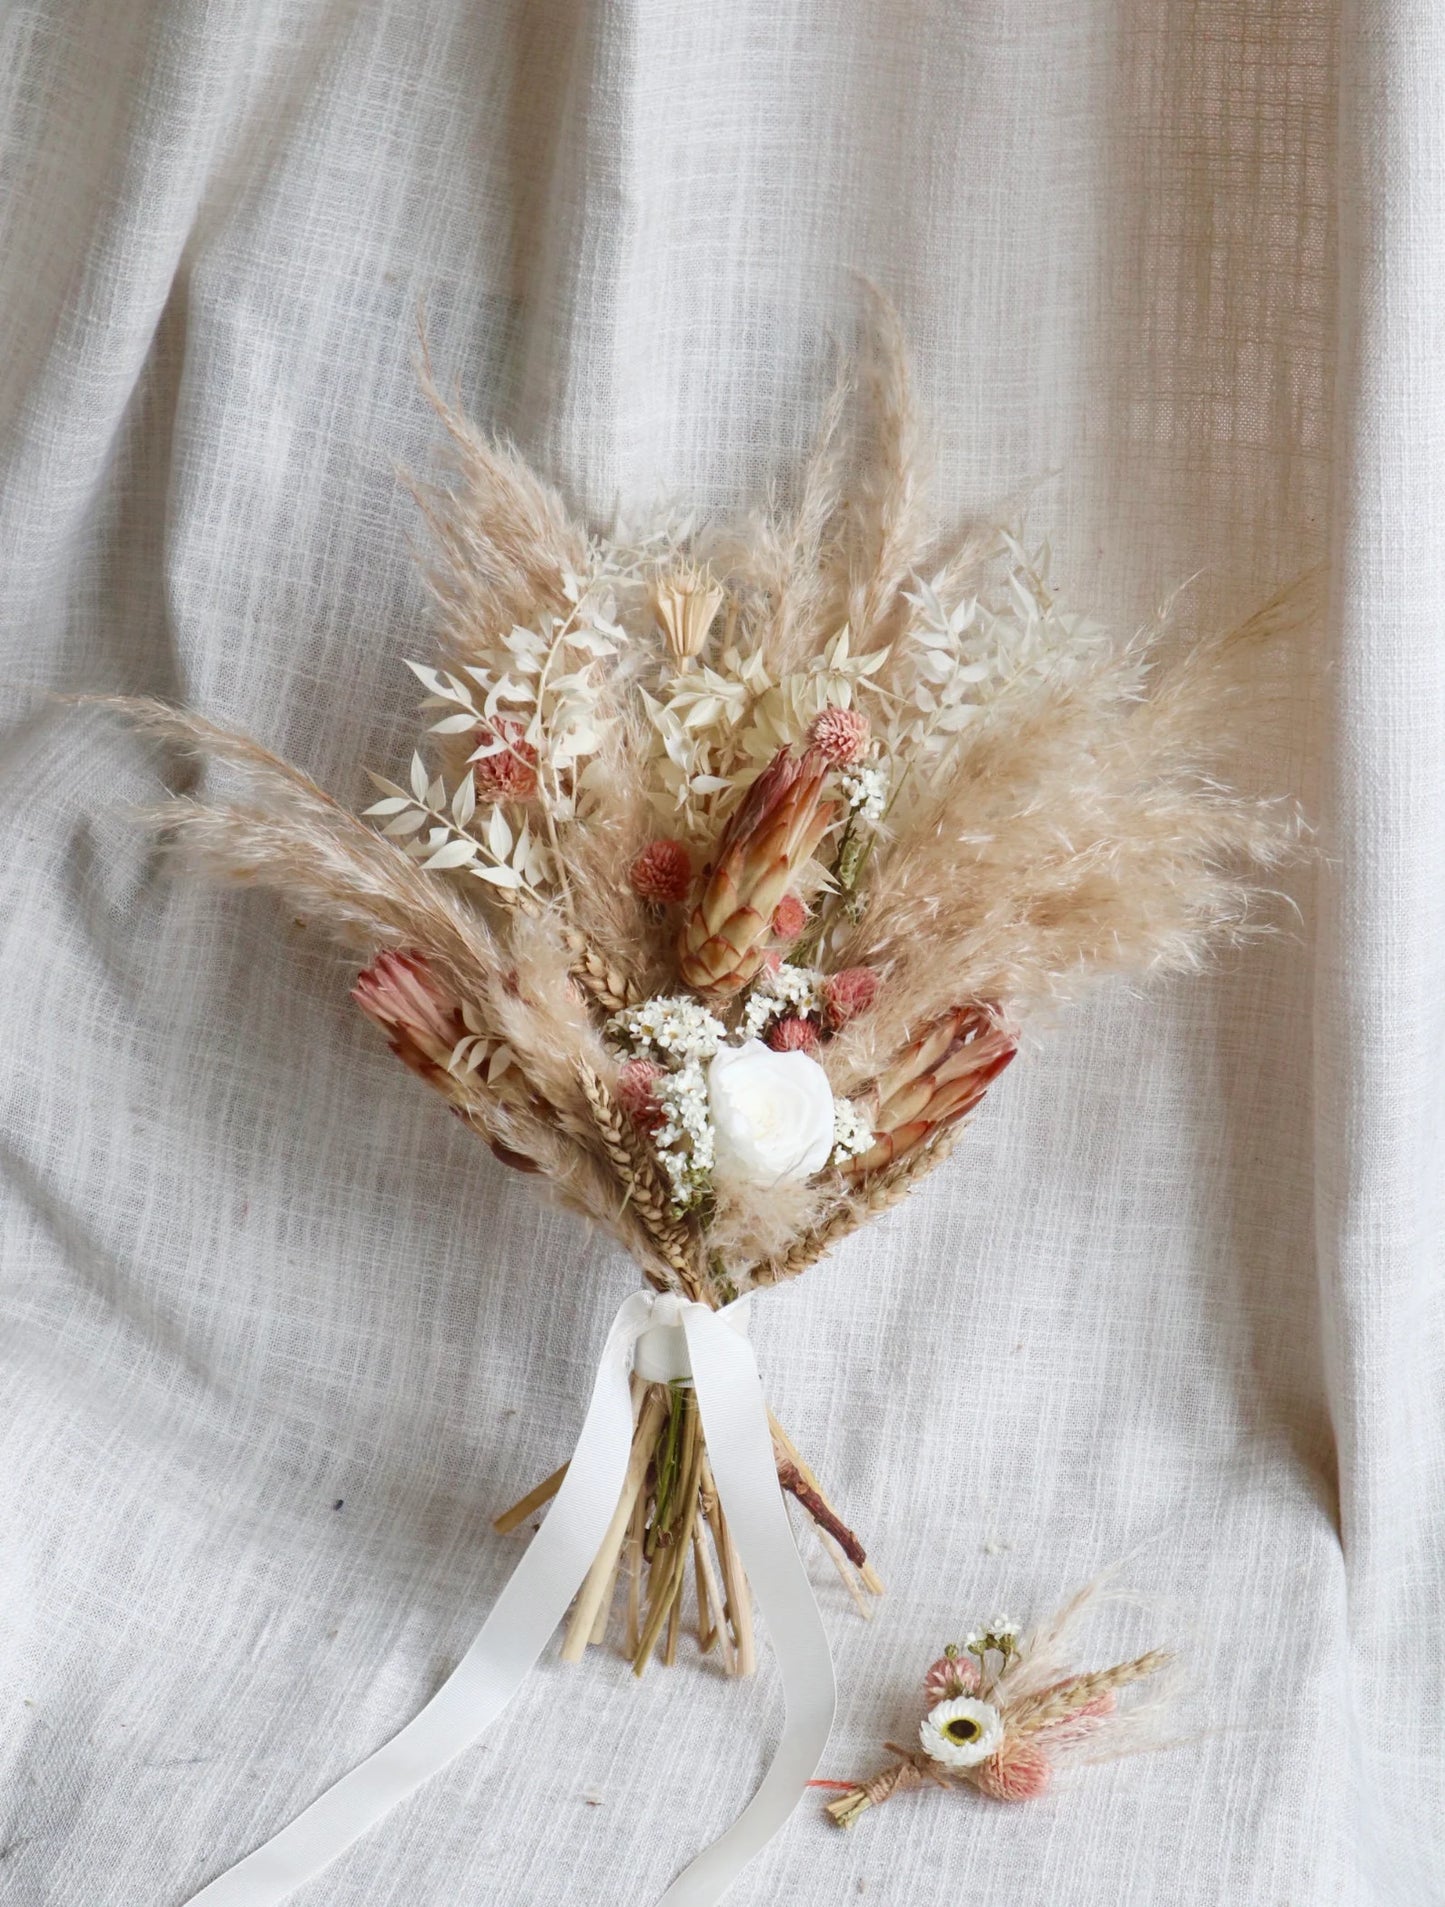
(653, 1333)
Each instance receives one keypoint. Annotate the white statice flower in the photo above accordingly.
(684, 1140)
(671, 1029)
(772, 1114)
(788, 993)
(865, 789)
(681, 1035)
(962, 1732)
(852, 1132)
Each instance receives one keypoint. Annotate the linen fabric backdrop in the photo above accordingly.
(279, 1337)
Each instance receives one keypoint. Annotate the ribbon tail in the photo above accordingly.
(505, 1649)
(740, 1450)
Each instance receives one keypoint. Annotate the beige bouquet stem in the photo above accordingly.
(668, 1531)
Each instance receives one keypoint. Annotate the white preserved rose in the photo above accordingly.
(772, 1114)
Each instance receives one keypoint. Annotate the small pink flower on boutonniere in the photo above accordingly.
(954, 1673)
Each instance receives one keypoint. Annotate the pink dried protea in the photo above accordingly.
(636, 1092)
(793, 1036)
(847, 994)
(422, 1024)
(662, 872)
(790, 917)
(509, 773)
(840, 736)
(950, 1676)
(771, 835)
(1018, 1771)
(935, 1081)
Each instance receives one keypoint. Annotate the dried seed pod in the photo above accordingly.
(685, 600)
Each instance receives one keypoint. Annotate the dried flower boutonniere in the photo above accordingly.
(1004, 1711)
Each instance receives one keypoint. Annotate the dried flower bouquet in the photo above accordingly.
(733, 862)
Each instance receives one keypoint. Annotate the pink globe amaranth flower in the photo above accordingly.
(1019, 1771)
(950, 1676)
(637, 1092)
(662, 872)
(510, 774)
(840, 736)
(847, 994)
(790, 917)
(793, 1036)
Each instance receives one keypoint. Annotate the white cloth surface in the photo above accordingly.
(278, 1338)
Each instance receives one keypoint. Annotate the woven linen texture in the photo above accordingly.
(279, 1337)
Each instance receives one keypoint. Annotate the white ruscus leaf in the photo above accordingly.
(452, 854)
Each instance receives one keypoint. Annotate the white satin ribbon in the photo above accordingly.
(724, 1372)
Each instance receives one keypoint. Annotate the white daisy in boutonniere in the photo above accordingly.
(961, 1733)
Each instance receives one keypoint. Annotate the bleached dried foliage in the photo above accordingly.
(855, 782)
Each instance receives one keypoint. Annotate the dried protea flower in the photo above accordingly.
(790, 917)
(934, 1082)
(952, 1674)
(840, 736)
(636, 1092)
(509, 772)
(685, 600)
(847, 994)
(793, 1036)
(1018, 1770)
(422, 1024)
(771, 835)
(662, 872)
